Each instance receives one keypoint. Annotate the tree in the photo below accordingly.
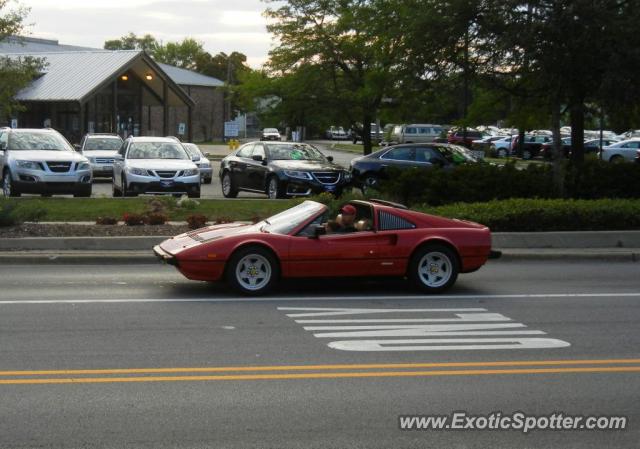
(353, 42)
(15, 72)
(132, 42)
(183, 54)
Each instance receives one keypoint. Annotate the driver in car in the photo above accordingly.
(344, 222)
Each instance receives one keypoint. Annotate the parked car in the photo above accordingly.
(458, 137)
(155, 165)
(337, 133)
(101, 150)
(532, 145)
(387, 240)
(484, 143)
(203, 164)
(415, 133)
(546, 149)
(279, 170)
(377, 134)
(368, 170)
(638, 157)
(621, 151)
(42, 161)
(270, 134)
(501, 147)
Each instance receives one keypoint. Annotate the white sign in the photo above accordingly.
(231, 129)
(182, 129)
(14, 123)
(446, 329)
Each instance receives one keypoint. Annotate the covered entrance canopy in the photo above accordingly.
(122, 92)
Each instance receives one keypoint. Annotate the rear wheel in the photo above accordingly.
(617, 159)
(229, 190)
(8, 189)
(116, 192)
(502, 152)
(434, 268)
(370, 182)
(252, 270)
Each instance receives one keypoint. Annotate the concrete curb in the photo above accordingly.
(501, 241)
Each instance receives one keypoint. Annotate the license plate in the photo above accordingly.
(331, 188)
(166, 183)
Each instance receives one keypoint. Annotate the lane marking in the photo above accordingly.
(385, 337)
(245, 377)
(316, 298)
(361, 366)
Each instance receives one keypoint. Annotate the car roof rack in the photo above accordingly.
(388, 203)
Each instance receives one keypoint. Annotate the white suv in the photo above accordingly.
(156, 165)
(41, 161)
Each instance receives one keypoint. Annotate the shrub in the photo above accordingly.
(155, 218)
(196, 221)
(133, 219)
(8, 216)
(223, 220)
(530, 215)
(186, 203)
(106, 221)
(12, 215)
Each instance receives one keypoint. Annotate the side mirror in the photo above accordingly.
(318, 230)
(195, 158)
(257, 158)
(330, 158)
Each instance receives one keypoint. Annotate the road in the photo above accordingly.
(191, 365)
(102, 187)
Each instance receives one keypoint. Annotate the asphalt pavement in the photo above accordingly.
(137, 356)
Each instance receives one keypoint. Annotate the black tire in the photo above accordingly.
(265, 270)
(194, 194)
(369, 182)
(502, 152)
(275, 188)
(116, 192)
(208, 180)
(124, 191)
(617, 159)
(10, 190)
(444, 275)
(229, 190)
(527, 155)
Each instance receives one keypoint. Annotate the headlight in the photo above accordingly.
(191, 172)
(92, 160)
(205, 165)
(29, 165)
(83, 166)
(347, 176)
(137, 171)
(298, 174)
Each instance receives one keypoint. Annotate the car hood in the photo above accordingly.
(188, 240)
(305, 165)
(41, 155)
(161, 164)
(100, 153)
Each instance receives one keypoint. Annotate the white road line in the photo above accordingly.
(319, 298)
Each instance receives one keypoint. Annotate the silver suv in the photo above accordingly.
(101, 149)
(41, 161)
(156, 165)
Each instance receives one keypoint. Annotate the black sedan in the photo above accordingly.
(280, 170)
(368, 170)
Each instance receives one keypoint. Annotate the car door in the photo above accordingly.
(629, 150)
(394, 244)
(238, 166)
(396, 158)
(256, 171)
(333, 255)
(428, 157)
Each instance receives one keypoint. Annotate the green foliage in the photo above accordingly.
(132, 42)
(531, 215)
(485, 182)
(11, 214)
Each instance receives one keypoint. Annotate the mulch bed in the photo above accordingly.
(74, 230)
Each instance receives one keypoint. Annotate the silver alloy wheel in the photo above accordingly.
(253, 272)
(435, 269)
(502, 152)
(273, 188)
(6, 184)
(226, 184)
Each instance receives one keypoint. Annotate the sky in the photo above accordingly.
(222, 25)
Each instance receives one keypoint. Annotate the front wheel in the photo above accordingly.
(526, 155)
(434, 268)
(274, 188)
(229, 190)
(252, 271)
(8, 189)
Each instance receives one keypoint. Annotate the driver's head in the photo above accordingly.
(348, 213)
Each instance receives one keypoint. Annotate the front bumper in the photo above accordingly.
(39, 182)
(164, 256)
(301, 187)
(152, 184)
(102, 170)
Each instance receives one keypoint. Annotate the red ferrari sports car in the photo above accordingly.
(383, 239)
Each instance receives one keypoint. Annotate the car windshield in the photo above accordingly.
(156, 150)
(192, 149)
(457, 154)
(285, 222)
(294, 152)
(102, 143)
(38, 141)
(270, 130)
